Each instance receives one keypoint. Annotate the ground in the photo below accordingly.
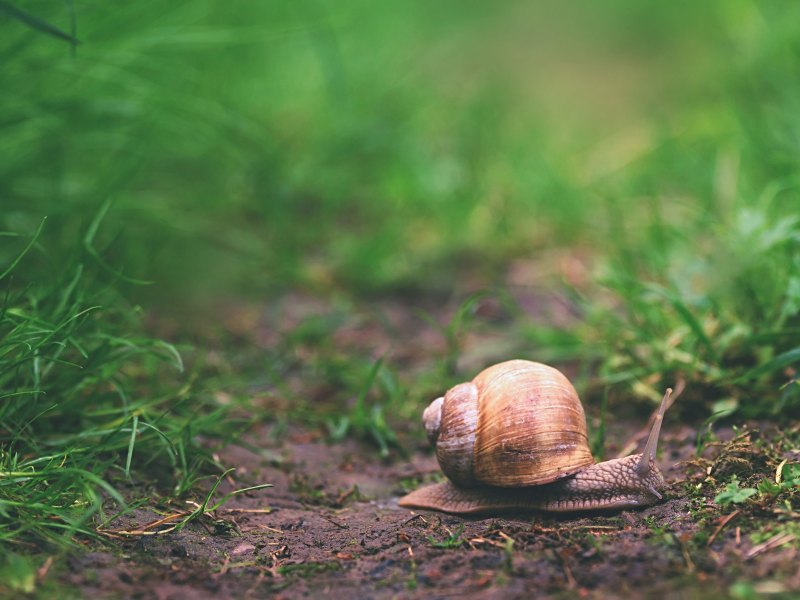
(331, 523)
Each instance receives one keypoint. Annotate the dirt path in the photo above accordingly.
(333, 526)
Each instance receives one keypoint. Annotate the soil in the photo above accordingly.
(331, 525)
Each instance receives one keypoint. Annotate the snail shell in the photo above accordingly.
(517, 423)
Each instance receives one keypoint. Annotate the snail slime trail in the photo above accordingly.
(515, 438)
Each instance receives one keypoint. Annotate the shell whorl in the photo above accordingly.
(518, 423)
(457, 433)
(432, 419)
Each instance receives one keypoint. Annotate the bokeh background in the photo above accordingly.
(642, 157)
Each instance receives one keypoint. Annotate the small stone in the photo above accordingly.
(242, 549)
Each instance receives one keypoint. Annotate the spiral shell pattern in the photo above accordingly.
(518, 423)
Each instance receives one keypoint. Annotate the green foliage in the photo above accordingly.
(454, 539)
(727, 317)
(733, 494)
(454, 330)
(85, 399)
(789, 528)
(37, 23)
(365, 420)
(787, 479)
(207, 507)
(308, 569)
(18, 574)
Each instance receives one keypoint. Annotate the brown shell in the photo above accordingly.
(518, 423)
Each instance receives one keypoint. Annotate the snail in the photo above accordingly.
(515, 438)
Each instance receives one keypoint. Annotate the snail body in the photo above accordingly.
(515, 438)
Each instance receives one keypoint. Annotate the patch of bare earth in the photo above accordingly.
(331, 524)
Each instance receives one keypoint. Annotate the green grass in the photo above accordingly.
(639, 161)
(364, 421)
(88, 402)
(453, 539)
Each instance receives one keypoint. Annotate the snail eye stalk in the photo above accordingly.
(649, 452)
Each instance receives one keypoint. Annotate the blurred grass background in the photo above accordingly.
(411, 150)
(368, 147)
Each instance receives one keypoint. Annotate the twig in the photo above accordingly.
(495, 543)
(41, 572)
(339, 525)
(506, 537)
(252, 589)
(259, 527)
(346, 494)
(414, 518)
(263, 511)
(571, 584)
(598, 527)
(224, 568)
(723, 522)
(685, 551)
(146, 529)
(773, 542)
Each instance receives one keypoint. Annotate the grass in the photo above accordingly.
(362, 420)
(639, 163)
(86, 400)
(745, 485)
(453, 539)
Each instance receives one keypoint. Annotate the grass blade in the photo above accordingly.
(27, 248)
(129, 457)
(88, 244)
(780, 361)
(36, 23)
